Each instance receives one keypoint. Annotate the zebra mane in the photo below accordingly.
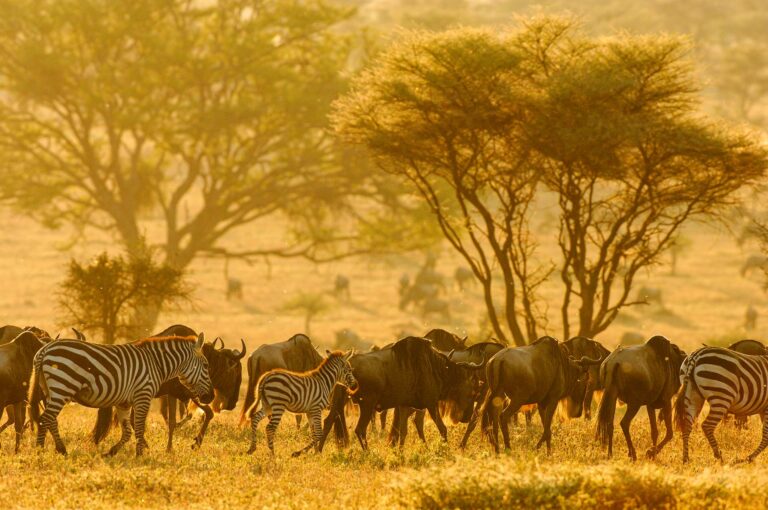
(159, 339)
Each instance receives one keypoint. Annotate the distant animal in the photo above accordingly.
(410, 374)
(126, 376)
(445, 341)
(15, 370)
(436, 306)
(418, 294)
(650, 295)
(463, 276)
(403, 284)
(754, 262)
(428, 276)
(234, 289)
(631, 338)
(730, 382)
(296, 354)
(641, 375)
(580, 347)
(347, 339)
(750, 321)
(341, 287)
(300, 392)
(225, 371)
(541, 373)
(751, 230)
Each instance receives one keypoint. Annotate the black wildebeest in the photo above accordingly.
(15, 370)
(7, 334)
(641, 375)
(296, 354)
(225, 371)
(541, 373)
(579, 347)
(410, 374)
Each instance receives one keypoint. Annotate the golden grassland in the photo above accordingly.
(705, 302)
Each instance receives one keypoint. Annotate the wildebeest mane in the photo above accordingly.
(417, 354)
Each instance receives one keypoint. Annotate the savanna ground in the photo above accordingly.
(704, 302)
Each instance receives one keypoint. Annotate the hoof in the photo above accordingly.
(296, 454)
(650, 453)
(251, 450)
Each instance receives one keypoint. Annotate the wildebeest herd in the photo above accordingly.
(438, 374)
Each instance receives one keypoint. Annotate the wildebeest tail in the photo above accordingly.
(492, 376)
(607, 410)
(250, 394)
(104, 421)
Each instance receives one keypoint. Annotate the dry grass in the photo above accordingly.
(706, 302)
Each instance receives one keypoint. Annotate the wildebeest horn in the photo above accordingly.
(241, 354)
(585, 361)
(450, 354)
(57, 336)
(79, 335)
(215, 340)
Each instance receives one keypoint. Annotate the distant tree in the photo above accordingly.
(213, 115)
(480, 123)
(103, 294)
(310, 304)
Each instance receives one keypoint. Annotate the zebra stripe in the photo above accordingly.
(308, 392)
(122, 376)
(730, 382)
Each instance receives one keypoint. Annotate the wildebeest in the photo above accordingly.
(750, 318)
(7, 334)
(579, 347)
(642, 375)
(234, 289)
(541, 373)
(410, 374)
(225, 371)
(755, 261)
(296, 354)
(418, 294)
(15, 370)
(341, 287)
(463, 276)
(445, 341)
(436, 306)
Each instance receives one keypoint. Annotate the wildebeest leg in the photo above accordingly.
(170, 419)
(435, 415)
(418, 421)
(401, 432)
(667, 414)
(717, 411)
(546, 413)
(383, 420)
(9, 410)
(366, 412)
(654, 427)
(763, 441)
(124, 418)
(470, 426)
(19, 416)
(506, 416)
(204, 427)
(626, 421)
(588, 404)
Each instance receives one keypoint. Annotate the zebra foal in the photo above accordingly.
(730, 382)
(299, 392)
(124, 376)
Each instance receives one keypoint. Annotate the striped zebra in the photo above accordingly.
(122, 376)
(299, 392)
(730, 382)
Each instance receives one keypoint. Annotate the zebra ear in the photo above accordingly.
(349, 355)
(327, 352)
(200, 342)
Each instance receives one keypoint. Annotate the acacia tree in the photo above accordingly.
(213, 114)
(482, 123)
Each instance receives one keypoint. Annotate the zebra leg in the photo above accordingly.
(124, 418)
(19, 416)
(204, 427)
(315, 417)
(632, 410)
(49, 422)
(763, 442)
(140, 412)
(717, 411)
(274, 422)
(256, 417)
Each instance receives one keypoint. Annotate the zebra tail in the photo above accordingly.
(607, 409)
(103, 425)
(680, 412)
(259, 399)
(249, 395)
(35, 392)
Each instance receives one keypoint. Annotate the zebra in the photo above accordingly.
(308, 392)
(730, 382)
(122, 376)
